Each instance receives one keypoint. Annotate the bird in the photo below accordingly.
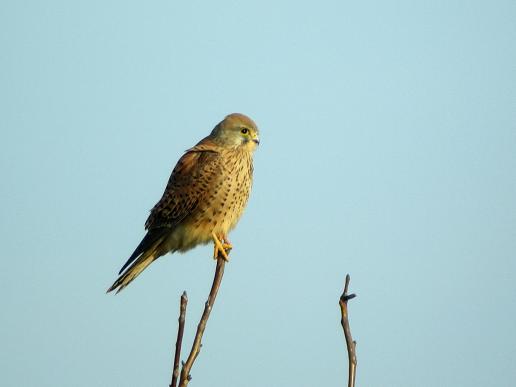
(204, 198)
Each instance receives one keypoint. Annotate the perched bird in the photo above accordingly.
(204, 198)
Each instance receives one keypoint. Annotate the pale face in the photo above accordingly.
(237, 130)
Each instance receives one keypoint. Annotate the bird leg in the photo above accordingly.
(220, 246)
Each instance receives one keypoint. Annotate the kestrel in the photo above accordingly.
(204, 198)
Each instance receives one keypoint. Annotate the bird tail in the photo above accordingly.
(143, 256)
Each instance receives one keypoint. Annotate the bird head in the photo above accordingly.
(237, 131)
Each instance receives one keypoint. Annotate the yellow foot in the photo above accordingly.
(220, 247)
(226, 243)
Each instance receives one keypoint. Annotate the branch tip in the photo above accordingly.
(347, 297)
(179, 341)
(350, 343)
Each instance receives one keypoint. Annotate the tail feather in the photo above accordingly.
(147, 242)
(131, 273)
(146, 252)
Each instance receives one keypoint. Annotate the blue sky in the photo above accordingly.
(388, 143)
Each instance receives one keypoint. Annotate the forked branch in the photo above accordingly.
(350, 343)
(184, 375)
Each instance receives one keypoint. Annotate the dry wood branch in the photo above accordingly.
(350, 343)
(179, 341)
(196, 346)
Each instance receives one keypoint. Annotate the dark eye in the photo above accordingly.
(244, 131)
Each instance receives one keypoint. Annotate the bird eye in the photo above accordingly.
(244, 131)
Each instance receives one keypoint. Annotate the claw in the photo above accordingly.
(220, 247)
(226, 243)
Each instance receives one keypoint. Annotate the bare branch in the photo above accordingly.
(350, 343)
(179, 341)
(196, 346)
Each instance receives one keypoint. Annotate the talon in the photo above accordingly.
(226, 243)
(220, 248)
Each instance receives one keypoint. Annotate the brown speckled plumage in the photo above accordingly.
(205, 195)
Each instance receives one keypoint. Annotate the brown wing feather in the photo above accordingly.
(186, 188)
(188, 185)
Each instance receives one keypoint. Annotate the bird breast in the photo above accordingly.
(226, 196)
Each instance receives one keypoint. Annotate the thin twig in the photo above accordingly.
(179, 341)
(196, 346)
(350, 343)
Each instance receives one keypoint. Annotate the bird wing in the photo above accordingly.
(188, 185)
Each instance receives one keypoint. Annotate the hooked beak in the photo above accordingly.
(256, 141)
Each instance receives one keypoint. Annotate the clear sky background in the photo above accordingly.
(388, 151)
